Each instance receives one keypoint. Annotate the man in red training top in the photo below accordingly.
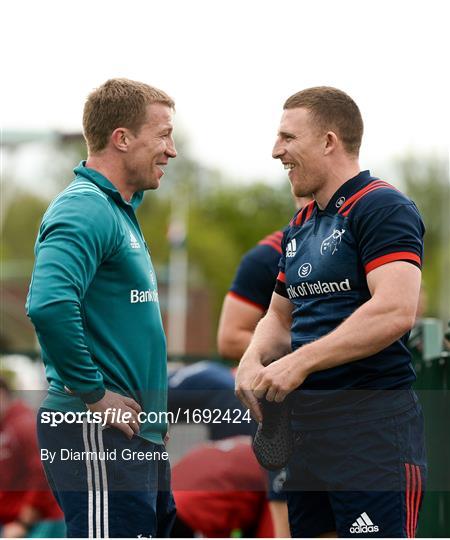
(220, 490)
(25, 497)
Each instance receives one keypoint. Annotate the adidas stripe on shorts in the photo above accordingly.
(361, 480)
(107, 494)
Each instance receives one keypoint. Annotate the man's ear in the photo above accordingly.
(120, 138)
(331, 142)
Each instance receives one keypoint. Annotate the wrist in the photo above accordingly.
(92, 397)
(250, 357)
(308, 360)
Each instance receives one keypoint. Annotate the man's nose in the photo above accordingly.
(277, 150)
(171, 151)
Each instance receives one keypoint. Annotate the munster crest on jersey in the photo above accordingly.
(331, 243)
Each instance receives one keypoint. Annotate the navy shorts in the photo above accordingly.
(362, 480)
(120, 489)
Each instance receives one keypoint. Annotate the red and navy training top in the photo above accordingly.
(326, 256)
(257, 272)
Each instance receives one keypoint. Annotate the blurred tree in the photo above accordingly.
(64, 155)
(20, 227)
(426, 181)
(225, 219)
(228, 221)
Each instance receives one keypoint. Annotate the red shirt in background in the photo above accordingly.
(219, 487)
(22, 478)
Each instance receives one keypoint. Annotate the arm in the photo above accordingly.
(383, 319)
(238, 321)
(77, 234)
(71, 245)
(271, 340)
(280, 519)
(248, 299)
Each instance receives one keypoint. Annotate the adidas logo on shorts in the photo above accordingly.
(363, 525)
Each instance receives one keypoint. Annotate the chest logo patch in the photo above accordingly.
(331, 243)
(340, 202)
(291, 248)
(304, 270)
(134, 242)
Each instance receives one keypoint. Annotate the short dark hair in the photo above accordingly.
(118, 103)
(334, 110)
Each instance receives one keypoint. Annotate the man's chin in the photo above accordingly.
(297, 190)
(153, 183)
(155, 180)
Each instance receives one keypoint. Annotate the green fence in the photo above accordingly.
(433, 386)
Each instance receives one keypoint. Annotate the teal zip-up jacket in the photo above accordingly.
(93, 300)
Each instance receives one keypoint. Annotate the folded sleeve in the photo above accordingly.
(255, 278)
(392, 233)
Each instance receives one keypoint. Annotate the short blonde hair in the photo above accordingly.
(118, 103)
(334, 110)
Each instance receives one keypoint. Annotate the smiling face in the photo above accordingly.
(150, 149)
(300, 147)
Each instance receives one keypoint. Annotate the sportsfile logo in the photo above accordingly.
(363, 525)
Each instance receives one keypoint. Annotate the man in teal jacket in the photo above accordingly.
(93, 300)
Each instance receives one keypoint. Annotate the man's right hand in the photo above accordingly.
(247, 371)
(122, 404)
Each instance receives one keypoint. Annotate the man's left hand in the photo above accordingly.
(14, 529)
(279, 378)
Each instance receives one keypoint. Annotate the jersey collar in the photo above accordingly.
(105, 185)
(349, 188)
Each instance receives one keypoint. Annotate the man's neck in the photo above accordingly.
(336, 177)
(112, 170)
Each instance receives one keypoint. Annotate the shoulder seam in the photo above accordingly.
(88, 190)
(251, 255)
(82, 188)
(352, 201)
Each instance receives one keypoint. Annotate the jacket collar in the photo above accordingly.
(106, 186)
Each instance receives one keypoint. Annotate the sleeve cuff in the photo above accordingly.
(246, 300)
(280, 288)
(391, 257)
(92, 397)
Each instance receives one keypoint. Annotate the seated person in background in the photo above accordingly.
(245, 304)
(250, 293)
(26, 502)
(220, 491)
(209, 386)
